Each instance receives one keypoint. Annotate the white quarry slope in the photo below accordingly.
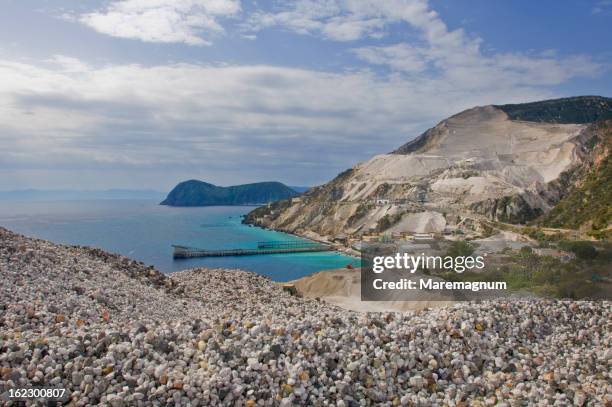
(463, 167)
(509, 156)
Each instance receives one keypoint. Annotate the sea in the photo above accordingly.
(144, 230)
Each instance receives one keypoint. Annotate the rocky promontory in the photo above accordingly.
(199, 193)
(115, 332)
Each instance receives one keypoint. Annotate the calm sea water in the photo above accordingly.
(145, 231)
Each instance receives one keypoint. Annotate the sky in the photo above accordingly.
(146, 93)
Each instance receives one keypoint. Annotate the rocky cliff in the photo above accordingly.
(586, 203)
(510, 163)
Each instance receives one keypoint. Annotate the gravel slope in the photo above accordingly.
(115, 332)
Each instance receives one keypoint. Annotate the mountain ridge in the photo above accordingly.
(576, 109)
(484, 163)
(588, 109)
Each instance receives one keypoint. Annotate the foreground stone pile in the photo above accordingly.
(115, 332)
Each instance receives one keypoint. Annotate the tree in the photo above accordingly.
(583, 250)
(460, 248)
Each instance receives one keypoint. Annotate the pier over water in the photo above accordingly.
(271, 247)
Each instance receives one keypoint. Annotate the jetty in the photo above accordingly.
(272, 247)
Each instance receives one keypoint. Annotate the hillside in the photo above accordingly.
(587, 203)
(198, 193)
(114, 332)
(485, 163)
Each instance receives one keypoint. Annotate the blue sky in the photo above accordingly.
(145, 93)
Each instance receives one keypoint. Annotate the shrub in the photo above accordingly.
(460, 248)
(582, 250)
(387, 221)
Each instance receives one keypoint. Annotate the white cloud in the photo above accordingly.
(399, 57)
(476, 70)
(341, 20)
(336, 20)
(183, 119)
(69, 64)
(602, 7)
(167, 21)
(436, 53)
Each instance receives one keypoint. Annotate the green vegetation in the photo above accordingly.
(582, 250)
(381, 190)
(460, 248)
(362, 210)
(469, 174)
(544, 239)
(583, 277)
(534, 233)
(581, 109)
(344, 174)
(387, 221)
(272, 210)
(198, 193)
(588, 202)
(487, 230)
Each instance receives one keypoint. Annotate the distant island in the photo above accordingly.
(199, 193)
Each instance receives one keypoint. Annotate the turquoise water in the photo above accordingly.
(145, 231)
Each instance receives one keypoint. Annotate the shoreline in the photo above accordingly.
(318, 238)
(145, 230)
